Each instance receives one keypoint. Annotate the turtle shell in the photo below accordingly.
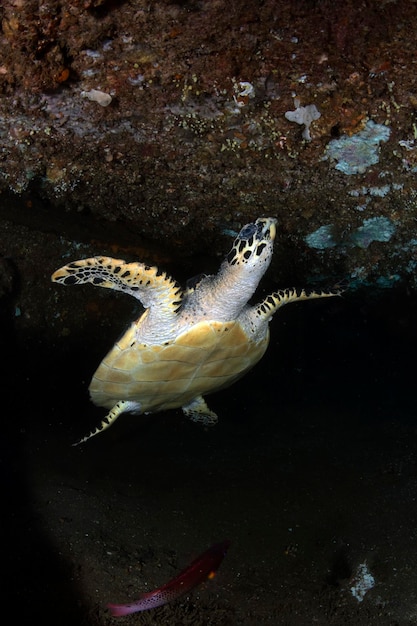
(207, 357)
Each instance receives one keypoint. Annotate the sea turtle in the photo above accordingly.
(187, 343)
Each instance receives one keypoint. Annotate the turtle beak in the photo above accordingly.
(272, 228)
(267, 227)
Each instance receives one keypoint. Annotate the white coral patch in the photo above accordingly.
(102, 98)
(363, 581)
(305, 116)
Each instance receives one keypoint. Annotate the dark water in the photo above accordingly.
(311, 470)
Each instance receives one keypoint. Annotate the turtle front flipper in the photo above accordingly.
(124, 406)
(146, 283)
(198, 411)
(266, 309)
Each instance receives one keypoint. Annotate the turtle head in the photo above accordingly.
(253, 245)
(223, 297)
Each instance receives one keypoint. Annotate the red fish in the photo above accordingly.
(202, 568)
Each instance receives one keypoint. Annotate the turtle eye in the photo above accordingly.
(247, 231)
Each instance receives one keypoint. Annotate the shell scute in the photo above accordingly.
(205, 357)
(203, 335)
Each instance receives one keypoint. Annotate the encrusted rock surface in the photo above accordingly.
(169, 118)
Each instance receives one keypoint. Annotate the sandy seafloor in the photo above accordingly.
(311, 473)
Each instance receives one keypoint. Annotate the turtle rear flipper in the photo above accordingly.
(124, 406)
(198, 411)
